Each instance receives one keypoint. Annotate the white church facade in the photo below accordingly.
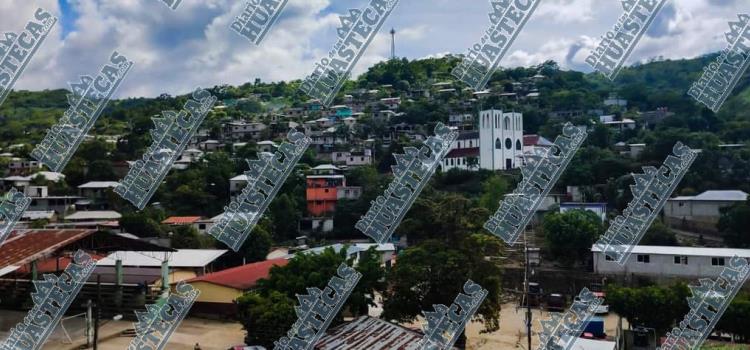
(498, 145)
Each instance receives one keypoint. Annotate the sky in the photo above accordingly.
(176, 51)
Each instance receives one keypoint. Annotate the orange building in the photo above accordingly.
(322, 193)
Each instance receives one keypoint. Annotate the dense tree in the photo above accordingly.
(568, 236)
(734, 223)
(494, 190)
(267, 313)
(146, 223)
(257, 245)
(734, 320)
(286, 214)
(659, 234)
(653, 306)
(434, 272)
(187, 237)
(445, 250)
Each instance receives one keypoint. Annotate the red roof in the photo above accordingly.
(530, 140)
(463, 152)
(24, 247)
(241, 277)
(181, 220)
(536, 140)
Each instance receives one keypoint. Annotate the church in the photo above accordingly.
(498, 145)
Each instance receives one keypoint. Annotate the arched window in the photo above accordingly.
(518, 123)
(497, 122)
(508, 143)
(470, 144)
(507, 123)
(498, 144)
(518, 145)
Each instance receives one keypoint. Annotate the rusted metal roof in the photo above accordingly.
(367, 333)
(181, 220)
(28, 245)
(25, 246)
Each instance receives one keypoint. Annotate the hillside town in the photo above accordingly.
(446, 202)
(141, 255)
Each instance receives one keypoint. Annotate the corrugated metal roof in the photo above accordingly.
(100, 184)
(94, 215)
(689, 251)
(367, 333)
(721, 196)
(38, 214)
(180, 258)
(26, 246)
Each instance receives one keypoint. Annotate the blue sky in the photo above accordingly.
(175, 51)
(67, 16)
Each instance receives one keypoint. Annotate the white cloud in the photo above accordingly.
(175, 51)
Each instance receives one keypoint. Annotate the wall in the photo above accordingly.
(214, 293)
(659, 265)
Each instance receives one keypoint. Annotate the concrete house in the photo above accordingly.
(700, 213)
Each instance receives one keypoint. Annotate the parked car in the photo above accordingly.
(603, 308)
(556, 302)
(594, 329)
(535, 295)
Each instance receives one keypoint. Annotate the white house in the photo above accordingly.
(620, 125)
(267, 146)
(239, 130)
(463, 150)
(355, 250)
(22, 166)
(658, 261)
(352, 158)
(460, 119)
(700, 212)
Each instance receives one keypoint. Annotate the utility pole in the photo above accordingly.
(526, 282)
(393, 44)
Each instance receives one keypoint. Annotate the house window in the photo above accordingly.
(507, 123)
(498, 144)
(644, 258)
(518, 145)
(326, 190)
(508, 143)
(680, 260)
(717, 261)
